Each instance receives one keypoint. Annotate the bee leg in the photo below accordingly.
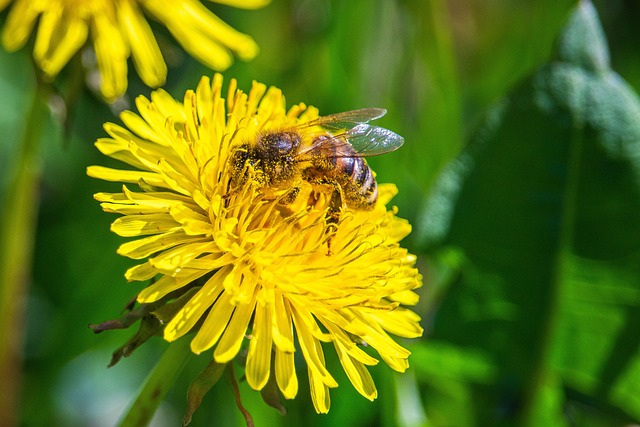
(238, 176)
(333, 215)
(227, 194)
(291, 196)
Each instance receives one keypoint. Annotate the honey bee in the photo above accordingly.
(332, 158)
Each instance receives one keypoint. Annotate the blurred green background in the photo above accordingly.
(520, 173)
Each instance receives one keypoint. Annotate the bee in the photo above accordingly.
(333, 159)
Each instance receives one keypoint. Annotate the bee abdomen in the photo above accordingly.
(353, 174)
(361, 188)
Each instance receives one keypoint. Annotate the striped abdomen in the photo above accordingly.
(354, 176)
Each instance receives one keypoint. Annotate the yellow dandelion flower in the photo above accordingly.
(267, 278)
(119, 29)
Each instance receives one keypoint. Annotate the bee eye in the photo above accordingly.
(281, 143)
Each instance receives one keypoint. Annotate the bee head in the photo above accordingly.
(276, 145)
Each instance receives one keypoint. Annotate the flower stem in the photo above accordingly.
(17, 235)
(158, 384)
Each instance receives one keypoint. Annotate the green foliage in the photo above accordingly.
(543, 205)
(520, 173)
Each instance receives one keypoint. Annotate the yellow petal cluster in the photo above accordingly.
(268, 281)
(119, 29)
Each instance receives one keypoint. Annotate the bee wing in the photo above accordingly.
(347, 119)
(361, 140)
(373, 140)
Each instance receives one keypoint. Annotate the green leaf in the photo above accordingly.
(550, 176)
(438, 359)
(597, 350)
(583, 42)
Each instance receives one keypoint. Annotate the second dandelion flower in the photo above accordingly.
(119, 29)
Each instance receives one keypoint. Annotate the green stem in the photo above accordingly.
(443, 111)
(158, 384)
(18, 226)
(542, 372)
